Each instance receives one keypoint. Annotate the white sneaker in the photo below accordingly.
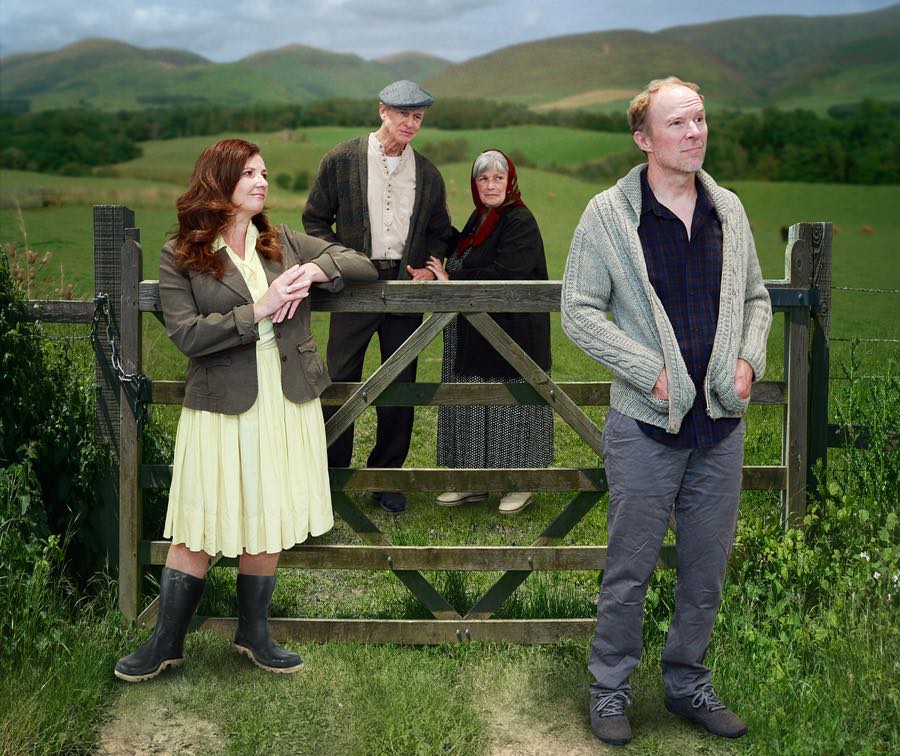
(515, 501)
(455, 498)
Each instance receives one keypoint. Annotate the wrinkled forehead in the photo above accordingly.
(675, 101)
(494, 167)
(405, 111)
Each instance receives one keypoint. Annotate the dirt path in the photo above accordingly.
(152, 729)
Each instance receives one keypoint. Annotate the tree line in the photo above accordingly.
(852, 144)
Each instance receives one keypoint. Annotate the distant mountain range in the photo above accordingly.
(787, 61)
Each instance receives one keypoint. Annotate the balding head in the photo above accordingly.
(639, 108)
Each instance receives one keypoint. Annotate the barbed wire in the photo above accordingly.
(865, 340)
(65, 338)
(865, 290)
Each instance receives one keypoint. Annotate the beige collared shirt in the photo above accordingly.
(390, 196)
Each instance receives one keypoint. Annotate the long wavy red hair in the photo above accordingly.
(205, 209)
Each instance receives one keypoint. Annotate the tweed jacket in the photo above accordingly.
(606, 274)
(513, 251)
(211, 321)
(338, 199)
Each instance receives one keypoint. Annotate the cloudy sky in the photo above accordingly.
(453, 29)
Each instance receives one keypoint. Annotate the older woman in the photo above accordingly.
(500, 241)
(250, 474)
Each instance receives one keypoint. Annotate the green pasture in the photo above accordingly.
(291, 150)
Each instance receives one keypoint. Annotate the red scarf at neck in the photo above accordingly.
(488, 217)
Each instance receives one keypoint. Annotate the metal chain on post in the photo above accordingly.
(136, 385)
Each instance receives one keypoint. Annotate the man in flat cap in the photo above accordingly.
(378, 195)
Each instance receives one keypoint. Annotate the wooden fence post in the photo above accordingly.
(130, 446)
(798, 263)
(818, 236)
(110, 222)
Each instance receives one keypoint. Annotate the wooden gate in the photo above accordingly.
(118, 272)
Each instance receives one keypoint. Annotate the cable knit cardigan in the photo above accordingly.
(606, 274)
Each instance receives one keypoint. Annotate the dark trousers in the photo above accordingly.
(646, 479)
(348, 339)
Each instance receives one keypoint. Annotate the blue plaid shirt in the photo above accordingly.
(687, 276)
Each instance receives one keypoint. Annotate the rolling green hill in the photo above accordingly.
(110, 75)
(779, 51)
(413, 65)
(797, 61)
(788, 61)
(605, 68)
(307, 73)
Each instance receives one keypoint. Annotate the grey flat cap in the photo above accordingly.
(405, 94)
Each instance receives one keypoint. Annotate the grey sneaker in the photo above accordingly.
(705, 708)
(608, 720)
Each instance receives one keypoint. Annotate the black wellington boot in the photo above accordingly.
(254, 593)
(179, 595)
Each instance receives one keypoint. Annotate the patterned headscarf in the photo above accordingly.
(488, 217)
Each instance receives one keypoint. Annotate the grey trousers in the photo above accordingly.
(646, 479)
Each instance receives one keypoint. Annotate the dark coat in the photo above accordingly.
(211, 320)
(338, 199)
(514, 251)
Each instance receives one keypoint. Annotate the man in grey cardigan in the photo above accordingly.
(377, 195)
(669, 256)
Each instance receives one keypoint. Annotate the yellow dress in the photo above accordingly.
(257, 481)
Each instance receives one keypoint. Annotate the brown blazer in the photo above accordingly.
(211, 321)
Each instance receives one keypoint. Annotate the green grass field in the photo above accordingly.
(483, 698)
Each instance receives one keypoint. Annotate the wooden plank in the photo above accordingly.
(130, 446)
(764, 477)
(855, 436)
(796, 371)
(584, 394)
(415, 632)
(60, 311)
(385, 375)
(539, 380)
(465, 558)
(167, 392)
(420, 296)
(410, 479)
(768, 392)
(427, 296)
(467, 479)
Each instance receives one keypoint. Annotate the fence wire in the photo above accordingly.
(46, 337)
(865, 290)
(865, 341)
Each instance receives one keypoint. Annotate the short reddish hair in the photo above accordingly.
(205, 209)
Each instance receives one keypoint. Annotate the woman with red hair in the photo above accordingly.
(250, 475)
